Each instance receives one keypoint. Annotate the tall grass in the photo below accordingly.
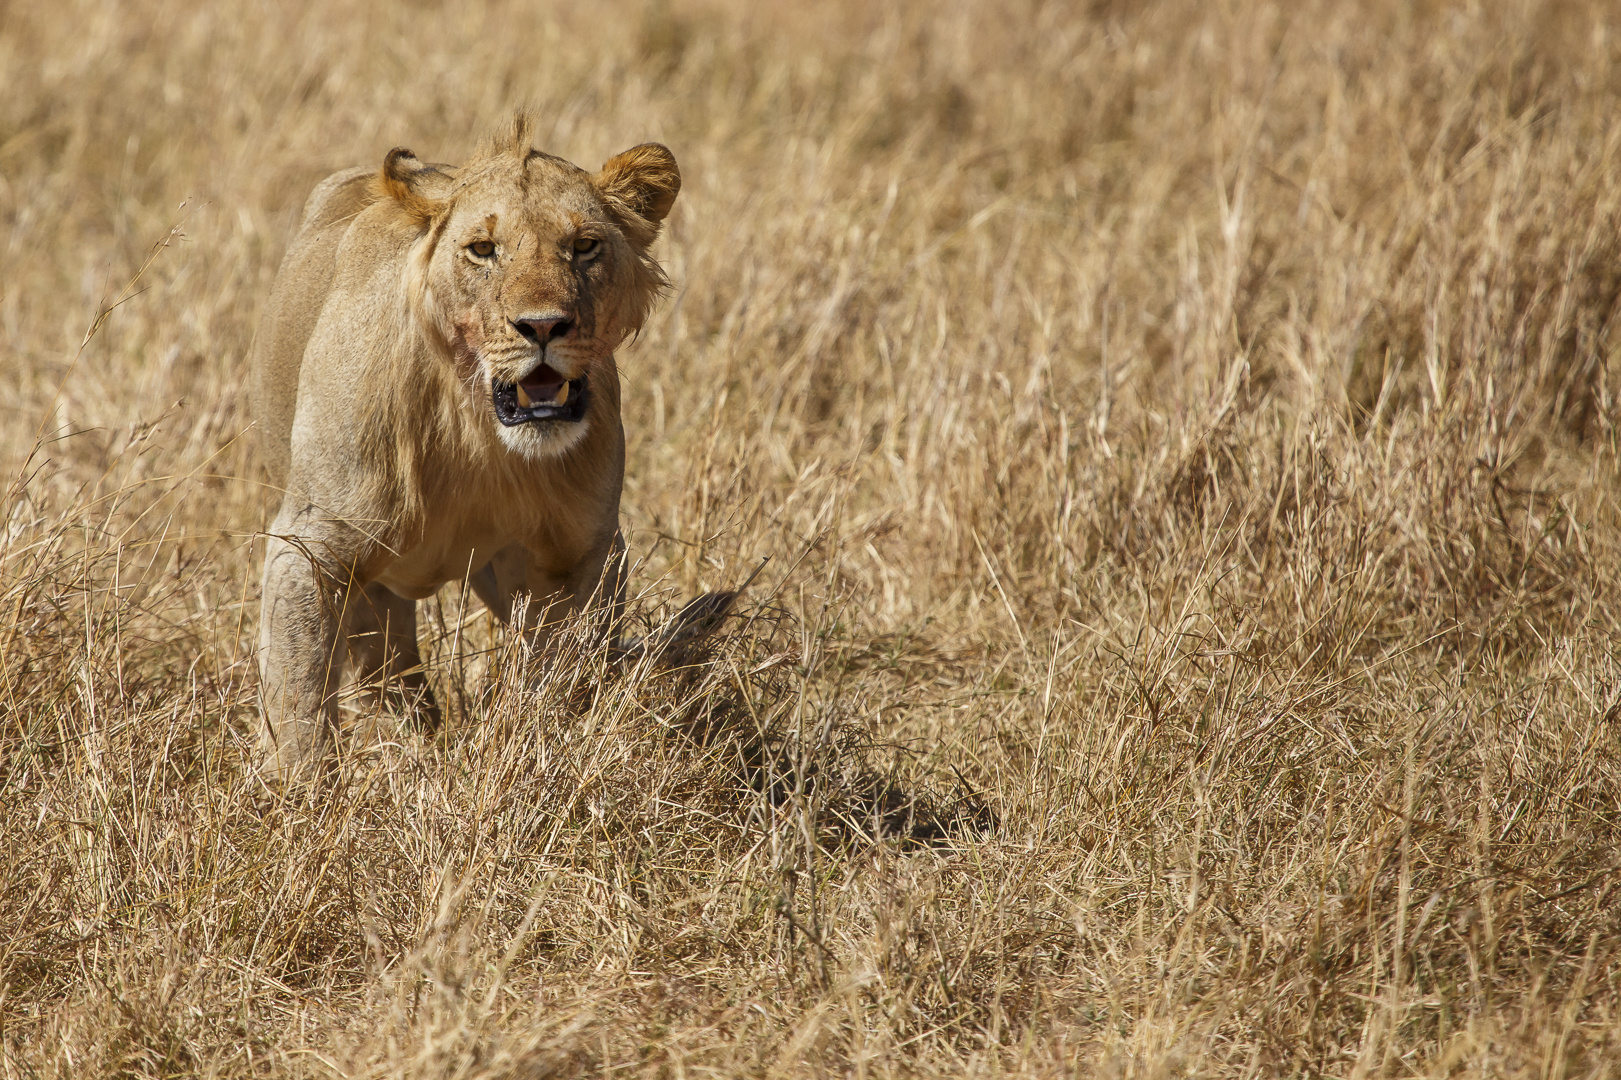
(1185, 440)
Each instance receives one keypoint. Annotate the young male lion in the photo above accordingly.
(438, 400)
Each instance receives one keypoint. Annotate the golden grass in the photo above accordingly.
(1185, 437)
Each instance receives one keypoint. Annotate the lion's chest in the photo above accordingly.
(452, 553)
(468, 534)
(420, 570)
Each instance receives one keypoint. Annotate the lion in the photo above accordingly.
(438, 401)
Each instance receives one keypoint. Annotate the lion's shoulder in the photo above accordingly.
(347, 192)
(339, 196)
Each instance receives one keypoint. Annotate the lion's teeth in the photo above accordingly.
(562, 394)
(523, 398)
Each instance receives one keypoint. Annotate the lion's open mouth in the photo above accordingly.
(541, 395)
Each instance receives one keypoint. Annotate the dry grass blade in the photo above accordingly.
(1184, 438)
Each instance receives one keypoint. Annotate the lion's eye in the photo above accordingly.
(586, 246)
(482, 248)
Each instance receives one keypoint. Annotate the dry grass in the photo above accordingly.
(1185, 439)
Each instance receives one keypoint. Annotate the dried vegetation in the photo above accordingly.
(1185, 439)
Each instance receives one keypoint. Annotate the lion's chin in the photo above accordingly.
(542, 440)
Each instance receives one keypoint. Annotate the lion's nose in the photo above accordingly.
(541, 331)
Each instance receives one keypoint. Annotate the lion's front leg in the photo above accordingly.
(517, 578)
(300, 661)
(382, 633)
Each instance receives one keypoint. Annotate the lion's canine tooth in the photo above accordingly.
(523, 398)
(562, 394)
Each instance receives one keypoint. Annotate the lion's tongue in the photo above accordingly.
(544, 385)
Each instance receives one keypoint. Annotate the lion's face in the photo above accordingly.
(537, 272)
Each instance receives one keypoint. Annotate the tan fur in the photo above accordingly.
(372, 372)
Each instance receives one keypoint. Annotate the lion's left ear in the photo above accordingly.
(639, 187)
(411, 184)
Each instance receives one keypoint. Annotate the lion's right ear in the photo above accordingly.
(408, 182)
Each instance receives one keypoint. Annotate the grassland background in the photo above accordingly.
(1183, 432)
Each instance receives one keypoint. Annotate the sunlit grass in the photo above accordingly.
(1183, 438)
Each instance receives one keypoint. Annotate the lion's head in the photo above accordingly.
(529, 272)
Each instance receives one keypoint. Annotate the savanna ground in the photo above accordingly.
(1184, 435)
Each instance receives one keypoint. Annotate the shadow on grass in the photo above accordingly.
(739, 689)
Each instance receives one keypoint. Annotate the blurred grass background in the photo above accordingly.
(1185, 439)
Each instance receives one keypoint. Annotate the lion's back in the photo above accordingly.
(295, 302)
